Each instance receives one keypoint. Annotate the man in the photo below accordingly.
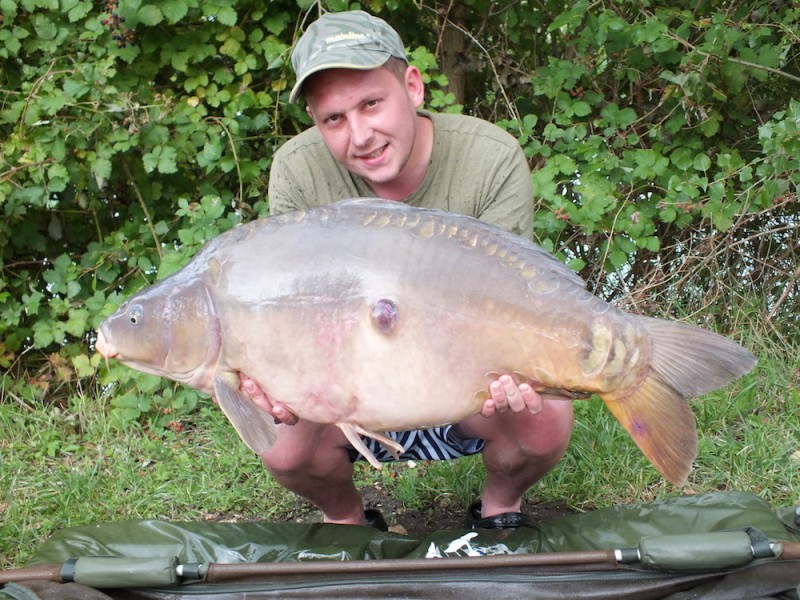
(369, 139)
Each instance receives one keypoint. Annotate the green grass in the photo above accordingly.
(69, 466)
(65, 462)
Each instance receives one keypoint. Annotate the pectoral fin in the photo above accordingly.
(550, 393)
(562, 394)
(353, 432)
(254, 426)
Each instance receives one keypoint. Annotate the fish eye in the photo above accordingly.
(135, 314)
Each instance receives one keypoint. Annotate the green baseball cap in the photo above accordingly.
(344, 40)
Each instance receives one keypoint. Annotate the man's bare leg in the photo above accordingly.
(310, 460)
(521, 448)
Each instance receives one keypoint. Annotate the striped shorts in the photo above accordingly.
(437, 443)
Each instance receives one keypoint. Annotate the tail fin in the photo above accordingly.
(686, 361)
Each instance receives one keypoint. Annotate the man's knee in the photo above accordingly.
(320, 451)
(279, 463)
(547, 437)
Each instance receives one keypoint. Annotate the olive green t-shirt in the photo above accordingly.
(476, 169)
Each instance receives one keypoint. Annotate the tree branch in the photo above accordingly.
(144, 208)
(738, 61)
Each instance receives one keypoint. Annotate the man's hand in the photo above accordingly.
(280, 412)
(506, 395)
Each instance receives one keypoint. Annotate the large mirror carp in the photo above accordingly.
(377, 316)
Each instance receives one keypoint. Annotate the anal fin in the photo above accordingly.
(353, 431)
(254, 426)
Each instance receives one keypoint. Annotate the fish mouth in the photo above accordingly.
(194, 377)
(105, 349)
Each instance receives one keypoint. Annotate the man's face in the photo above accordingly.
(367, 119)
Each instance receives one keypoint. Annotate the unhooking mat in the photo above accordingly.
(719, 546)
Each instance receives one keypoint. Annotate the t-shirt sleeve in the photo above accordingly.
(510, 201)
(284, 194)
(481, 171)
(305, 174)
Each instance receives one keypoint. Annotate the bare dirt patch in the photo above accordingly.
(420, 522)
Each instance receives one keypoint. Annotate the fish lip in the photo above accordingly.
(105, 349)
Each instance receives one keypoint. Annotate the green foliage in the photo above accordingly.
(664, 143)
(648, 134)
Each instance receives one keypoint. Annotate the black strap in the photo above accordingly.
(68, 570)
(762, 547)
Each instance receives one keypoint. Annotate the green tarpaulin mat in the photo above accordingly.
(716, 546)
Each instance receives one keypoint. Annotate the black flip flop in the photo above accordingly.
(507, 520)
(375, 519)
